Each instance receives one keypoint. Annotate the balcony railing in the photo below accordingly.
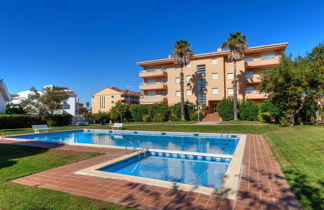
(256, 78)
(261, 62)
(256, 95)
(154, 86)
(153, 99)
(155, 73)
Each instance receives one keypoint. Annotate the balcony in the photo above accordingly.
(262, 63)
(154, 86)
(153, 100)
(255, 79)
(256, 95)
(156, 73)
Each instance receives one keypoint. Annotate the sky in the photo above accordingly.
(90, 45)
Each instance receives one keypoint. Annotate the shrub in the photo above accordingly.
(26, 121)
(14, 109)
(58, 119)
(194, 116)
(161, 108)
(137, 112)
(88, 117)
(273, 112)
(249, 111)
(158, 118)
(225, 109)
(101, 117)
(176, 110)
(146, 118)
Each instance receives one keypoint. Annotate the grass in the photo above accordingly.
(300, 152)
(17, 161)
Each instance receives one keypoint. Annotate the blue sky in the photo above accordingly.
(89, 45)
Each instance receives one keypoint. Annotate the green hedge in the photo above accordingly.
(249, 111)
(225, 109)
(26, 121)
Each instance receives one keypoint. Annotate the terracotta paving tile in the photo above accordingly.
(262, 184)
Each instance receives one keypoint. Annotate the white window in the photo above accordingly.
(215, 76)
(178, 80)
(151, 81)
(188, 78)
(151, 94)
(201, 69)
(189, 92)
(215, 91)
(249, 89)
(188, 65)
(230, 91)
(214, 61)
(249, 74)
(177, 93)
(230, 76)
(178, 69)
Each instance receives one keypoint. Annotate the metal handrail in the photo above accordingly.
(134, 148)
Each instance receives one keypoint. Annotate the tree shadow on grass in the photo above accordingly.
(10, 152)
(305, 191)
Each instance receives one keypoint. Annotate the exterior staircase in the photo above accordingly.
(212, 118)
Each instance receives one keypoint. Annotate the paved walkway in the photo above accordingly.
(262, 184)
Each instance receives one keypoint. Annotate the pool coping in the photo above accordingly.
(228, 189)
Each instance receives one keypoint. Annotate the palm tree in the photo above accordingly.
(237, 45)
(181, 56)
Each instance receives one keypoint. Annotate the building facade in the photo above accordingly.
(4, 97)
(70, 106)
(105, 99)
(208, 78)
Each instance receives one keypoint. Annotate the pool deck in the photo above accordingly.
(262, 184)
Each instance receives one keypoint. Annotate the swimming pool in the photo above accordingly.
(179, 169)
(189, 142)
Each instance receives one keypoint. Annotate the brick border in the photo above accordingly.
(262, 184)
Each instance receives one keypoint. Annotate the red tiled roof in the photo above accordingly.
(126, 91)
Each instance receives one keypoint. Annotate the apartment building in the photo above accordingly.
(105, 99)
(208, 78)
(70, 106)
(4, 97)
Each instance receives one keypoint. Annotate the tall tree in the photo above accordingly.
(236, 43)
(46, 101)
(31, 104)
(181, 56)
(296, 85)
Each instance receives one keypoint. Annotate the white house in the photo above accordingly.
(4, 97)
(69, 107)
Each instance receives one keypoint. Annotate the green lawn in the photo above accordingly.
(17, 161)
(300, 152)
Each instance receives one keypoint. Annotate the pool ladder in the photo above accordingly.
(225, 134)
(139, 151)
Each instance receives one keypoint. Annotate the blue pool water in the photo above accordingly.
(195, 172)
(202, 143)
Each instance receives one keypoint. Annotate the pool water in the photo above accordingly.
(194, 172)
(202, 143)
